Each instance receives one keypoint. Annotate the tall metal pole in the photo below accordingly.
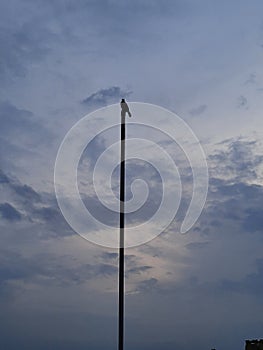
(121, 241)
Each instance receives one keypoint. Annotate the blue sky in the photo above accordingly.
(63, 59)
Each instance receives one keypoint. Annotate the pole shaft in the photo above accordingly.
(121, 247)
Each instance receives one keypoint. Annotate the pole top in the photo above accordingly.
(124, 108)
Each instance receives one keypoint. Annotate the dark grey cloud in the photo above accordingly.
(135, 169)
(238, 202)
(197, 245)
(46, 221)
(26, 192)
(23, 192)
(15, 54)
(230, 201)
(107, 256)
(253, 219)
(133, 263)
(24, 40)
(14, 119)
(234, 200)
(45, 268)
(106, 96)
(21, 126)
(110, 256)
(252, 284)
(37, 208)
(237, 205)
(252, 79)
(3, 177)
(98, 270)
(8, 212)
(138, 270)
(147, 285)
(198, 110)
(239, 160)
(92, 152)
(23, 138)
(15, 267)
(49, 217)
(242, 102)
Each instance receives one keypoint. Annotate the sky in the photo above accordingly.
(61, 60)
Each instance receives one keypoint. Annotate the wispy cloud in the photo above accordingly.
(8, 212)
(106, 96)
(242, 102)
(198, 110)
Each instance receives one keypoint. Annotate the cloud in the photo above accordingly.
(198, 110)
(239, 161)
(44, 269)
(197, 245)
(23, 40)
(228, 233)
(100, 270)
(228, 200)
(22, 192)
(104, 97)
(253, 220)
(37, 208)
(3, 177)
(24, 140)
(20, 126)
(26, 192)
(110, 256)
(235, 187)
(242, 102)
(138, 270)
(240, 203)
(251, 284)
(8, 212)
(252, 79)
(135, 169)
(147, 285)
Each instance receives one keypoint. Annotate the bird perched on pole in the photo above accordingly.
(124, 108)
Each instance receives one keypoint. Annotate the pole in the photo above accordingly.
(121, 247)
